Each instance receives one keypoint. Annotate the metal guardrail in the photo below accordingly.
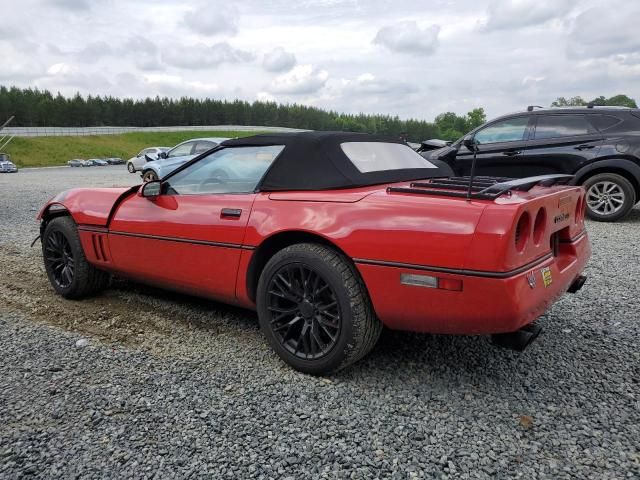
(83, 131)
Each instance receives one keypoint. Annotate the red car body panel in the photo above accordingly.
(88, 206)
(187, 243)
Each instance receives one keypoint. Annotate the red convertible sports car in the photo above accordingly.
(330, 236)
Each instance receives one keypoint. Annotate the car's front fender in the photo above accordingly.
(87, 206)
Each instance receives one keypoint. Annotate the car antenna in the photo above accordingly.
(472, 144)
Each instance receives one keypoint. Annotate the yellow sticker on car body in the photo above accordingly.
(546, 276)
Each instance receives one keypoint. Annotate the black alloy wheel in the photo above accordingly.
(314, 309)
(305, 314)
(59, 259)
(69, 272)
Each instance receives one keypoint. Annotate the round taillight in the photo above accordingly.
(539, 226)
(523, 230)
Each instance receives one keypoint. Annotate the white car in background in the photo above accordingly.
(136, 164)
(167, 162)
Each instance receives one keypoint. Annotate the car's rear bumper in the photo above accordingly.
(489, 302)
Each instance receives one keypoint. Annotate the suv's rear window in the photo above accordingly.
(603, 122)
(555, 126)
(379, 156)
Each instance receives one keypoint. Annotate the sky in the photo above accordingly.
(414, 59)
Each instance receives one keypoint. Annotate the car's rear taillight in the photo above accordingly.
(539, 226)
(523, 230)
(580, 208)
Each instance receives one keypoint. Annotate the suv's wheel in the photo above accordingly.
(149, 176)
(609, 197)
(67, 268)
(131, 168)
(314, 309)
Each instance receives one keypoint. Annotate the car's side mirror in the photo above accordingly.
(471, 143)
(162, 155)
(151, 189)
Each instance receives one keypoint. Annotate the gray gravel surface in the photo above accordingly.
(138, 383)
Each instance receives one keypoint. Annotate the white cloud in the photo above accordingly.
(201, 56)
(278, 60)
(265, 97)
(602, 32)
(94, 51)
(62, 69)
(303, 79)
(408, 37)
(511, 14)
(145, 53)
(213, 19)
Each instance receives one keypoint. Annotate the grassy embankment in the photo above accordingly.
(51, 151)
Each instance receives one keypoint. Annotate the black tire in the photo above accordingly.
(609, 196)
(149, 176)
(356, 328)
(84, 278)
(131, 168)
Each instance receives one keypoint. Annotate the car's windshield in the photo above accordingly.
(228, 170)
(379, 156)
(181, 150)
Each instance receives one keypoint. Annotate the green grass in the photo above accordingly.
(51, 151)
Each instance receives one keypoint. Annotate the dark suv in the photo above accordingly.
(600, 146)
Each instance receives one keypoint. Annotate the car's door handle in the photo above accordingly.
(511, 153)
(584, 146)
(231, 213)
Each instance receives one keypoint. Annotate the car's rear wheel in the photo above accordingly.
(149, 176)
(67, 268)
(131, 168)
(610, 197)
(314, 309)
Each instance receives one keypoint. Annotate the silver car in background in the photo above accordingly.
(6, 165)
(178, 155)
(136, 164)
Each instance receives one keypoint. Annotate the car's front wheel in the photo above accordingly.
(67, 268)
(610, 197)
(149, 176)
(314, 309)
(131, 168)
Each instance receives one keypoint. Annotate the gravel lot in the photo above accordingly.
(138, 383)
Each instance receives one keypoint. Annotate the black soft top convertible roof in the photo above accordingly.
(315, 161)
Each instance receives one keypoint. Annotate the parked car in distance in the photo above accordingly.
(177, 156)
(329, 236)
(99, 162)
(135, 164)
(6, 165)
(114, 161)
(88, 163)
(76, 162)
(600, 146)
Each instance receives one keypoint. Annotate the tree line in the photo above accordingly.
(40, 108)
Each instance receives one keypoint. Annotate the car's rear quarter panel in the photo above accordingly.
(388, 234)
